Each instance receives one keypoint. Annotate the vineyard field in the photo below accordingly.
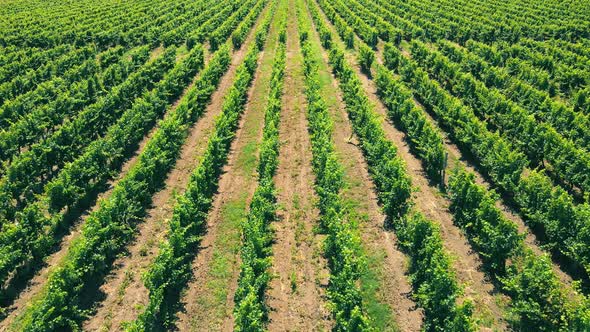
(295, 165)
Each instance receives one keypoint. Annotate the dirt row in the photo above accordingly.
(297, 293)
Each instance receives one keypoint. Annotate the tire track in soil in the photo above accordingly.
(36, 284)
(236, 188)
(489, 303)
(296, 295)
(394, 287)
(124, 290)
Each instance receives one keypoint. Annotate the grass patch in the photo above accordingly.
(224, 260)
(247, 160)
(371, 282)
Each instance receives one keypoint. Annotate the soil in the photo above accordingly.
(296, 297)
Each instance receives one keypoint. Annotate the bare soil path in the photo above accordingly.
(296, 295)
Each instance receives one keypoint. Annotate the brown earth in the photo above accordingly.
(296, 296)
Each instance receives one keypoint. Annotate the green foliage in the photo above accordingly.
(81, 179)
(213, 28)
(366, 58)
(117, 215)
(566, 225)
(538, 298)
(387, 169)
(511, 88)
(29, 171)
(28, 81)
(226, 25)
(541, 203)
(494, 237)
(111, 226)
(434, 283)
(348, 23)
(239, 35)
(87, 82)
(496, 155)
(176, 35)
(425, 141)
(540, 141)
(436, 287)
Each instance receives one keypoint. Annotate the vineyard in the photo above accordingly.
(295, 165)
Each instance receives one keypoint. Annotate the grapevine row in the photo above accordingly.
(29, 239)
(539, 201)
(41, 121)
(34, 167)
(539, 141)
(170, 271)
(76, 186)
(564, 119)
(28, 172)
(542, 204)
